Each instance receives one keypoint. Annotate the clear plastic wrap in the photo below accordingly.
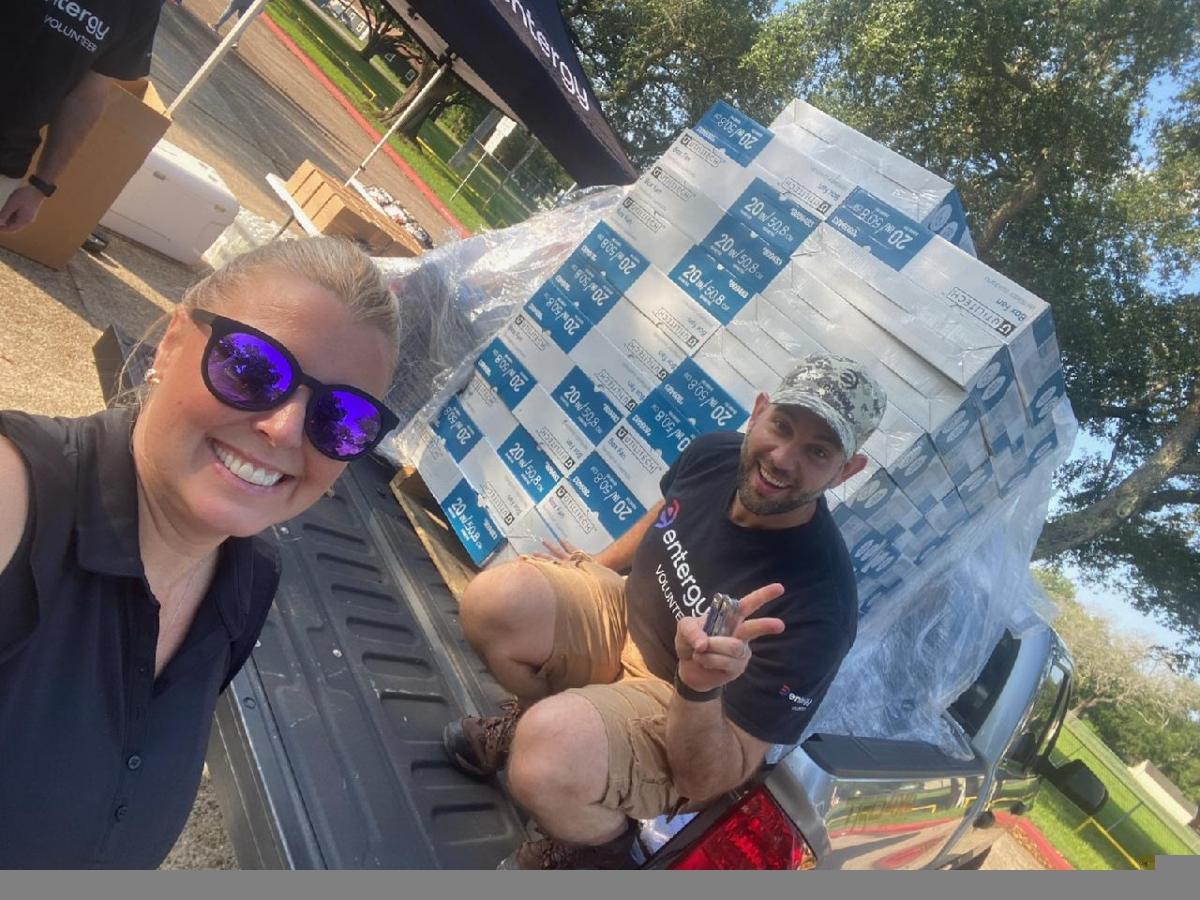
(924, 646)
(454, 299)
(914, 653)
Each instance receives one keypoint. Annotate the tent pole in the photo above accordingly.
(443, 68)
(216, 56)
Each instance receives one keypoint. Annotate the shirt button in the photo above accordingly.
(143, 669)
(120, 812)
(134, 762)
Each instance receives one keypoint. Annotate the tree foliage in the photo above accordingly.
(657, 65)
(1124, 687)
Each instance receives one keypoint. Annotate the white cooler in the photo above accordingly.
(174, 204)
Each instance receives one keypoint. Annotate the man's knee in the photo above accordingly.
(559, 753)
(505, 600)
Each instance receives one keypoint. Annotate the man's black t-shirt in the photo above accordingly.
(46, 47)
(693, 550)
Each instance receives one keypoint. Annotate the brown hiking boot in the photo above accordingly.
(549, 853)
(479, 745)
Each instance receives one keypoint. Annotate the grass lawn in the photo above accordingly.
(1057, 818)
(1130, 815)
(372, 92)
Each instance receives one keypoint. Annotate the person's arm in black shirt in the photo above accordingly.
(709, 755)
(76, 115)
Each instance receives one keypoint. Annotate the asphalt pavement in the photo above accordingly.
(262, 111)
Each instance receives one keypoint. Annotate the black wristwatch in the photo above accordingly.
(693, 695)
(42, 186)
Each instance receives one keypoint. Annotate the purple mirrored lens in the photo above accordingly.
(248, 372)
(342, 424)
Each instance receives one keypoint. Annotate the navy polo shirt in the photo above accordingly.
(100, 760)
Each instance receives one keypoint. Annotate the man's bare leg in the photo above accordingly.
(507, 614)
(558, 770)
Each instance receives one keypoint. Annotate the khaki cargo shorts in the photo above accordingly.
(594, 658)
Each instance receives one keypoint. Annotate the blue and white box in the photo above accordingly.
(612, 257)
(706, 402)
(893, 438)
(501, 494)
(918, 193)
(528, 463)
(587, 407)
(505, 373)
(947, 514)
(772, 335)
(471, 522)
(665, 304)
(979, 490)
(485, 408)
(914, 387)
(921, 475)
(528, 533)
(664, 426)
(538, 353)
(634, 461)
(607, 495)
(622, 380)
(724, 352)
(456, 429)
(959, 442)
(553, 430)
(438, 470)
(559, 317)
(640, 340)
(572, 520)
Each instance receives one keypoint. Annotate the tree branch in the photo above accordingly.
(1132, 495)
(1159, 499)
(1022, 197)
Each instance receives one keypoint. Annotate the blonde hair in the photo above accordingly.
(330, 262)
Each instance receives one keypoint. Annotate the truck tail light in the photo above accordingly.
(753, 834)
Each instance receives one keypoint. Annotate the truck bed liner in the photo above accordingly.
(326, 750)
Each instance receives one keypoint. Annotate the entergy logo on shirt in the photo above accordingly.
(798, 703)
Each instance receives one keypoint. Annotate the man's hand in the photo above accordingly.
(707, 663)
(558, 550)
(21, 208)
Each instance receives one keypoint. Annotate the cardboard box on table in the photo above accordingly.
(133, 121)
(338, 210)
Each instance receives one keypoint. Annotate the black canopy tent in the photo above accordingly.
(519, 56)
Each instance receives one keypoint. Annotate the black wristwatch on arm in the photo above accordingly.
(42, 186)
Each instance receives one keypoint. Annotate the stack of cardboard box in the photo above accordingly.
(338, 210)
(739, 250)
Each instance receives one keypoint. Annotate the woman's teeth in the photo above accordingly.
(246, 471)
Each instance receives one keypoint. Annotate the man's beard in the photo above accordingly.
(767, 506)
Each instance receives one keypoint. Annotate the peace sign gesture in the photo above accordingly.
(707, 663)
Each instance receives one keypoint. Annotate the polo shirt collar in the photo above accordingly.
(106, 525)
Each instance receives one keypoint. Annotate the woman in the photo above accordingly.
(132, 587)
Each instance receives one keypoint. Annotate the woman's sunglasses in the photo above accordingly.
(249, 370)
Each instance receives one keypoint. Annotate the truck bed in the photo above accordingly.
(326, 750)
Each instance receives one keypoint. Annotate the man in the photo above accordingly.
(626, 709)
(57, 60)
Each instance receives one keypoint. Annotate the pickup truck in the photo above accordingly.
(326, 749)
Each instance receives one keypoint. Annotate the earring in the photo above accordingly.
(152, 376)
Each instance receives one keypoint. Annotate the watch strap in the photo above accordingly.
(695, 696)
(42, 186)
